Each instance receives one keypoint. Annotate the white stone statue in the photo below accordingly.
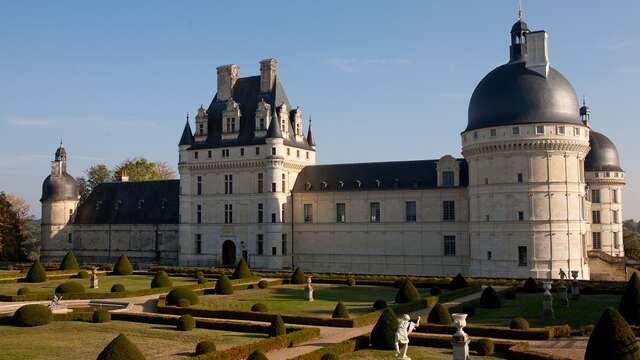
(55, 302)
(460, 340)
(94, 278)
(547, 302)
(405, 327)
(308, 290)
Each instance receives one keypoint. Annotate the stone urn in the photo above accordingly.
(460, 340)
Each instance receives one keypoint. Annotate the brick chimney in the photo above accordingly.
(267, 74)
(227, 76)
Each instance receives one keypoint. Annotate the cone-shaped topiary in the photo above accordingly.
(69, 262)
(257, 355)
(277, 327)
(612, 338)
(530, 286)
(259, 307)
(36, 273)
(224, 286)
(186, 323)
(458, 282)
(519, 323)
(161, 279)
(174, 296)
(242, 270)
(383, 335)
(123, 266)
(630, 301)
(206, 346)
(32, 315)
(120, 348)
(340, 312)
(489, 299)
(117, 288)
(70, 287)
(298, 276)
(439, 315)
(407, 292)
(379, 304)
(100, 316)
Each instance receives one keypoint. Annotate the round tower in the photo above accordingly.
(59, 200)
(525, 147)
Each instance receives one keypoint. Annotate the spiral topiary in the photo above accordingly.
(117, 288)
(123, 266)
(383, 335)
(407, 292)
(263, 284)
(259, 307)
(100, 316)
(186, 323)
(612, 338)
(340, 312)
(439, 315)
(298, 276)
(120, 348)
(224, 286)
(458, 282)
(32, 315)
(199, 274)
(36, 273)
(160, 280)
(242, 270)
(379, 304)
(277, 327)
(69, 262)
(70, 287)
(205, 347)
(174, 296)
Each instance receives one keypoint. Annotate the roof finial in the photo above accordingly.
(520, 12)
(61, 142)
(584, 100)
(187, 116)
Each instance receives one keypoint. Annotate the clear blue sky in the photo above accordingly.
(382, 80)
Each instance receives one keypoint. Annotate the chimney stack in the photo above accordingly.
(538, 52)
(227, 76)
(267, 74)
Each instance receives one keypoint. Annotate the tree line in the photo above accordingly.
(19, 232)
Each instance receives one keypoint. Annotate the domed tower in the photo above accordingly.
(525, 147)
(605, 180)
(59, 199)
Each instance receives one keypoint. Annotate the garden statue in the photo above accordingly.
(547, 303)
(55, 302)
(94, 278)
(575, 285)
(563, 275)
(574, 274)
(405, 327)
(308, 290)
(460, 342)
(562, 291)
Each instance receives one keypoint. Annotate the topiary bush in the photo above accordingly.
(329, 356)
(379, 304)
(469, 309)
(489, 299)
(439, 315)
(83, 274)
(383, 335)
(32, 315)
(120, 348)
(199, 274)
(263, 284)
(435, 291)
(36, 273)
(69, 262)
(530, 286)
(519, 323)
(23, 291)
(123, 266)
(242, 270)
(186, 323)
(224, 286)
(205, 347)
(70, 287)
(203, 281)
(509, 293)
(100, 316)
(484, 347)
(407, 292)
(257, 355)
(629, 306)
(184, 303)
(340, 312)
(117, 288)
(277, 327)
(259, 307)
(351, 281)
(458, 282)
(174, 296)
(612, 338)
(298, 276)
(161, 279)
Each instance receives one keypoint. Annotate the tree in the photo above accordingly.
(165, 171)
(138, 169)
(16, 238)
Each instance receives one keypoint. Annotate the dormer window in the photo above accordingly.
(261, 124)
(340, 185)
(396, 183)
(98, 205)
(308, 186)
(163, 204)
(118, 204)
(231, 120)
(140, 204)
(378, 183)
(324, 185)
(230, 125)
(357, 184)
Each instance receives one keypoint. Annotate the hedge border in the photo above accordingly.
(347, 346)
(545, 333)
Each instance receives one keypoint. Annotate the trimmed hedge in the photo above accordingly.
(259, 307)
(380, 304)
(224, 286)
(351, 281)
(458, 282)
(298, 276)
(484, 347)
(242, 270)
(277, 327)
(519, 323)
(559, 331)
(383, 335)
(121, 348)
(36, 273)
(123, 266)
(340, 312)
(629, 306)
(205, 347)
(530, 286)
(612, 338)
(32, 315)
(257, 355)
(69, 287)
(439, 315)
(186, 323)
(329, 356)
(211, 324)
(344, 347)
(407, 292)
(117, 288)
(69, 262)
(489, 299)
(160, 280)
(263, 284)
(23, 291)
(100, 316)
(174, 296)
(435, 291)
(83, 274)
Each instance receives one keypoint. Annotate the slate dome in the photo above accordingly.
(58, 188)
(603, 155)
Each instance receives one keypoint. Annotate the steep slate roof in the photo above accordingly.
(187, 135)
(274, 126)
(246, 92)
(120, 203)
(418, 174)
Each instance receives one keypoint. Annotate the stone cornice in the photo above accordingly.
(242, 164)
(526, 145)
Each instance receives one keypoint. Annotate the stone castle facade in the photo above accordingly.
(536, 192)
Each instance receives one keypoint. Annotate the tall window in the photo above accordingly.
(209, 154)
(199, 214)
(615, 216)
(241, 151)
(284, 183)
(616, 240)
(260, 213)
(274, 251)
(261, 122)
(614, 196)
(257, 150)
(596, 238)
(374, 208)
(228, 184)
(493, 132)
(228, 214)
(70, 214)
(595, 217)
(225, 153)
(198, 244)
(449, 245)
(448, 210)
(539, 129)
(195, 155)
(520, 178)
(285, 250)
(273, 187)
(273, 151)
(199, 186)
(260, 182)
(260, 244)
(523, 259)
(447, 178)
(410, 211)
(308, 213)
(595, 196)
(231, 125)
(520, 215)
(515, 130)
(341, 212)
(282, 213)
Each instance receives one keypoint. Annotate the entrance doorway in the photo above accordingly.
(228, 253)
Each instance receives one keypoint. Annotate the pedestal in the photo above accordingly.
(547, 302)
(562, 293)
(308, 293)
(460, 340)
(575, 290)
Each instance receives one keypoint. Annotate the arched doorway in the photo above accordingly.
(228, 253)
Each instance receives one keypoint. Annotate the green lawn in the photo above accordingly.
(584, 311)
(131, 282)
(289, 299)
(415, 353)
(63, 340)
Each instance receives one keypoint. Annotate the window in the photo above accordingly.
(615, 216)
(282, 214)
(576, 131)
(520, 178)
(489, 255)
(228, 214)
(493, 132)
(486, 181)
(595, 196)
(515, 130)
(284, 183)
(257, 150)
(616, 240)
(199, 214)
(522, 256)
(225, 153)
(448, 210)
(231, 125)
(209, 154)
(228, 184)
(195, 155)
(288, 151)
(260, 182)
(274, 251)
(273, 218)
(596, 238)
(70, 214)
(539, 129)
(307, 155)
(595, 217)
(341, 213)
(297, 153)
(69, 235)
(260, 213)
(285, 250)
(520, 215)
(410, 211)
(198, 244)
(261, 124)
(273, 187)
(475, 135)
(447, 178)
(449, 245)
(241, 151)
(199, 186)
(308, 213)
(560, 130)
(201, 129)
(374, 208)
(614, 196)
(273, 151)
(260, 244)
